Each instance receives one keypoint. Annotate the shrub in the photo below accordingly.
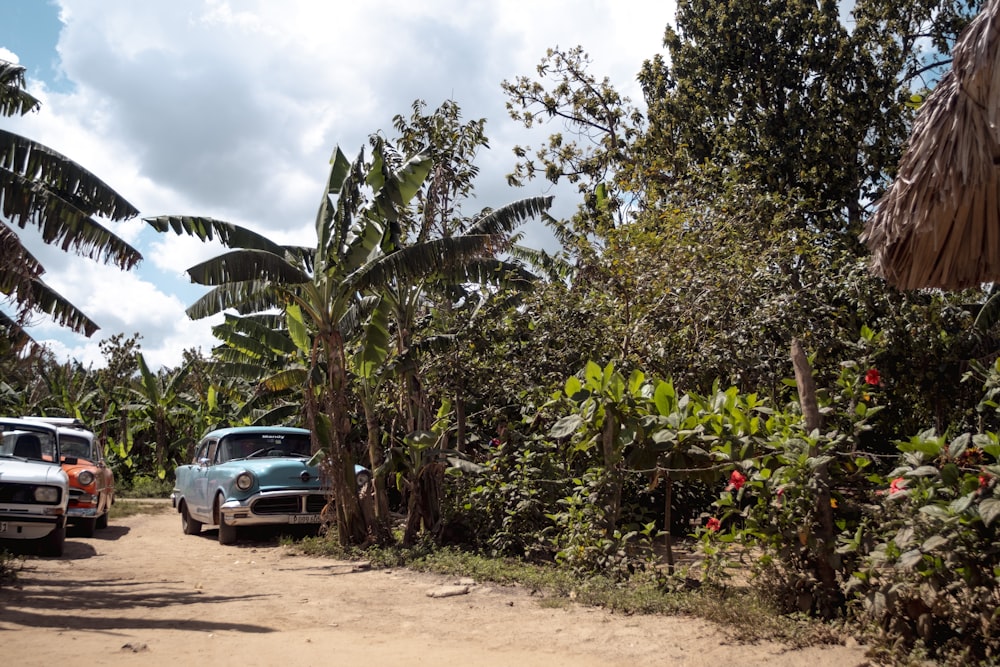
(932, 581)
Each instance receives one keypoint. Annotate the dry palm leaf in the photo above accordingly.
(938, 224)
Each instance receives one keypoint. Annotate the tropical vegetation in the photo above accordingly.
(706, 365)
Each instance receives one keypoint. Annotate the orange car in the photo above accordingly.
(91, 480)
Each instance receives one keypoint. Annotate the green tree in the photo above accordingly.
(38, 186)
(357, 252)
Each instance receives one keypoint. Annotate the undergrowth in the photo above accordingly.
(10, 565)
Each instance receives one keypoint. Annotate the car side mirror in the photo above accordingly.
(203, 462)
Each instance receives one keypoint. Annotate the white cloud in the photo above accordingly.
(231, 110)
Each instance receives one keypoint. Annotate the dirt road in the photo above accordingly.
(142, 593)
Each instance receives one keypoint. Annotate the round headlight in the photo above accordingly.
(46, 494)
(86, 478)
(244, 481)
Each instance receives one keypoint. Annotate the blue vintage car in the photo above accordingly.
(251, 476)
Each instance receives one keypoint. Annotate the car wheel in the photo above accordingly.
(102, 520)
(189, 525)
(52, 544)
(227, 533)
(87, 526)
(362, 479)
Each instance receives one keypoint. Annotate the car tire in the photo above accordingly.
(87, 526)
(53, 543)
(188, 525)
(227, 533)
(102, 520)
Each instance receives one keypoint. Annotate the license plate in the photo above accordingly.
(304, 518)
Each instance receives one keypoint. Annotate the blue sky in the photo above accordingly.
(231, 110)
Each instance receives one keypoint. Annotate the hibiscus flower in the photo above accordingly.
(736, 481)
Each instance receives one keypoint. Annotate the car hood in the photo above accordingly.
(281, 472)
(32, 472)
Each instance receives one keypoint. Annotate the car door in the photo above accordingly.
(200, 474)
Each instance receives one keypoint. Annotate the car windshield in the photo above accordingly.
(28, 443)
(75, 445)
(247, 445)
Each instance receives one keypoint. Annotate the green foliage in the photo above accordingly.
(146, 486)
(932, 580)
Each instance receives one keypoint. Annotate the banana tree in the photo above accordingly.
(41, 187)
(160, 405)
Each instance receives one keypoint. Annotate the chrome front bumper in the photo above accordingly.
(269, 508)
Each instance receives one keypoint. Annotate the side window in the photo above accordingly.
(212, 447)
(200, 452)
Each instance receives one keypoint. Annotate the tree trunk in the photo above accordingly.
(381, 523)
(668, 540)
(825, 534)
(424, 506)
(460, 424)
(328, 416)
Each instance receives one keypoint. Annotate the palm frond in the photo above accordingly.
(14, 334)
(419, 261)
(287, 379)
(270, 339)
(61, 223)
(355, 315)
(14, 99)
(244, 266)
(282, 414)
(509, 217)
(246, 297)
(555, 268)
(62, 178)
(563, 232)
(207, 229)
(46, 300)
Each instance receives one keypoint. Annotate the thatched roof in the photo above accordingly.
(938, 224)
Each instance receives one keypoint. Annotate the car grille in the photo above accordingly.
(315, 503)
(289, 504)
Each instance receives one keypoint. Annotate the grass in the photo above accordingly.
(146, 487)
(743, 613)
(124, 507)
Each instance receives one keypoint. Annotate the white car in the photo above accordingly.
(34, 490)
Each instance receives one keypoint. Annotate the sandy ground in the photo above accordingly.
(142, 593)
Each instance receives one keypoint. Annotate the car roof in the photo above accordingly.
(28, 423)
(233, 430)
(61, 422)
(79, 432)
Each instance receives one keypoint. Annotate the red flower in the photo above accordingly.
(897, 485)
(713, 524)
(872, 377)
(736, 481)
(984, 480)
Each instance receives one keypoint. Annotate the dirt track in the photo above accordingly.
(142, 593)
